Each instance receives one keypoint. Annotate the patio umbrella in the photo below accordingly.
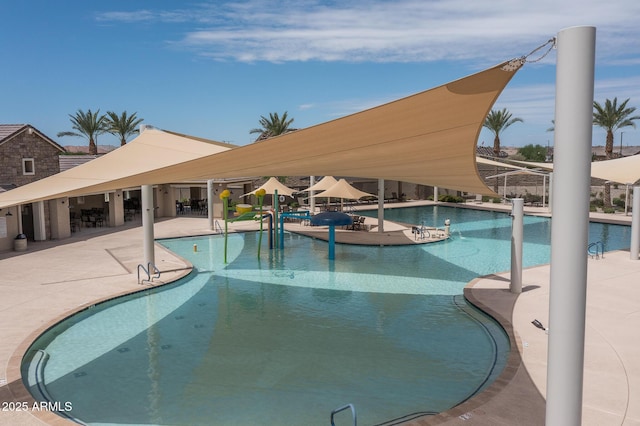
(326, 183)
(343, 190)
(271, 186)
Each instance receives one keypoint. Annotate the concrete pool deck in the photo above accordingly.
(54, 278)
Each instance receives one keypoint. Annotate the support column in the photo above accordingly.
(147, 224)
(435, 194)
(635, 224)
(517, 233)
(569, 233)
(39, 226)
(312, 195)
(380, 205)
(210, 203)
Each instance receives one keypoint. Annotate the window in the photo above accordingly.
(28, 167)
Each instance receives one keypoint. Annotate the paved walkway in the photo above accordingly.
(54, 278)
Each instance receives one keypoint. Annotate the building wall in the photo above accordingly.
(27, 145)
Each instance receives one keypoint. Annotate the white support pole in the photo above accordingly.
(147, 224)
(312, 195)
(39, 226)
(569, 233)
(550, 200)
(380, 205)
(626, 200)
(435, 193)
(517, 233)
(210, 203)
(635, 224)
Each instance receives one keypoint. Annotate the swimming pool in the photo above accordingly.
(287, 338)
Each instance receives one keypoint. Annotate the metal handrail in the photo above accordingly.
(217, 227)
(353, 412)
(148, 271)
(596, 250)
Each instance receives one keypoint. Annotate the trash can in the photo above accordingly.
(20, 243)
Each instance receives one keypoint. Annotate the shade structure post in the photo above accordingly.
(147, 224)
(210, 203)
(570, 219)
(635, 224)
(312, 195)
(332, 242)
(380, 205)
(276, 207)
(517, 233)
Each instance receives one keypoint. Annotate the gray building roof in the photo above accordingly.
(9, 131)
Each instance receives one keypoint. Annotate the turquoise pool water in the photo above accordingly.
(287, 338)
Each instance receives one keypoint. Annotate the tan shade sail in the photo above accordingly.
(624, 170)
(326, 183)
(342, 189)
(271, 186)
(151, 150)
(428, 138)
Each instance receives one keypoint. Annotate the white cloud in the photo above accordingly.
(383, 31)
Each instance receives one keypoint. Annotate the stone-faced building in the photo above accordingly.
(26, 155)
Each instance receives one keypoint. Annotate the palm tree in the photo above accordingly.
(273, 126)
(497, 122)
(88, 125)
(612, 117)
(122, 126)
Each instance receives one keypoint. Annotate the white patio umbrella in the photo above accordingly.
(271, 186)
(326, 183)
(343, 190)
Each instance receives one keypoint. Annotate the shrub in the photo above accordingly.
(446, 198)
(618, 202)
(496, 200)
(608, 210)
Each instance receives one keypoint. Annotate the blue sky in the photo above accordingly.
(212, 68)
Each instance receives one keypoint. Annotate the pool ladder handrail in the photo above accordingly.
(217, 228)
(421, 230)
(148, 271)
(353, 412)
(596, 250)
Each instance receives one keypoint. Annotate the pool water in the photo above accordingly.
(287, 338)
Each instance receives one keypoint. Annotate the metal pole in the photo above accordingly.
(626, 200)
(569, 232)
(635, 224)
(210, 203)
(147, 224)
(312, 195)
(550, 199)
(517, 232)
(380, 205)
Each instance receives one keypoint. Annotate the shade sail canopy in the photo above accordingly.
(428, 138)
(151, 150)
(624, 170)
(271, 186)
(326, 183)
(342, 189)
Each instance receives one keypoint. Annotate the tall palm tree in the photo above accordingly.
(273, 126)
(122, 126)
(612, 117)
(88, 125)
(497, 122)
